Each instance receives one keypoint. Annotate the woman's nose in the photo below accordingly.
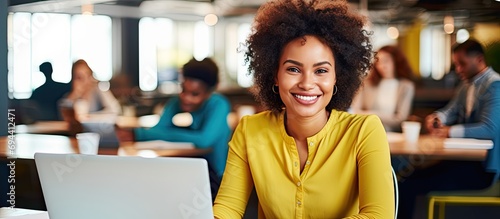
(307, 82)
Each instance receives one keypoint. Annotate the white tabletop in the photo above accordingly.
(21, 213)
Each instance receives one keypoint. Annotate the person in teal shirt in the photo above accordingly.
(209, 111)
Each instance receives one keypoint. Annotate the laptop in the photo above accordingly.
(79, 186)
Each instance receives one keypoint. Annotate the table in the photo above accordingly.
(7, 212)
(432, 148)
(44, 127)
(29, 144)
(61, 127)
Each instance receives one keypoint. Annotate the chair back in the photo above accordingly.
(396, 193)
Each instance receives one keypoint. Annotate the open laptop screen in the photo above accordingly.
(99, 186)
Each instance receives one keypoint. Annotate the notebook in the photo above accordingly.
(468, 143)
(160, 144)
(79, 186)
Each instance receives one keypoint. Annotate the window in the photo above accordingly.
(148, 34)
(19, 46)
(59, 39)
(203, 41)
(91, 41)
(434, 52)
(52, 43)
(165, 45)
(244, 80)
(236, 35)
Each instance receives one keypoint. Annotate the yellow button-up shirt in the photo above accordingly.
(347, 173)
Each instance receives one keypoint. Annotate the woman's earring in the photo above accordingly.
(274, 90)
(335, 89)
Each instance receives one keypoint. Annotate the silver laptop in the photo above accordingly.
(81, 186)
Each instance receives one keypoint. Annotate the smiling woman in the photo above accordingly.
(305, 156)
(306, 77)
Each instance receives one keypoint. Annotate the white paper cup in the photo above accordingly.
(88, 142)
(411, 131)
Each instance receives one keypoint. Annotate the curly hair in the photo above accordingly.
(205, 71)
(281, 21)
(402, 68)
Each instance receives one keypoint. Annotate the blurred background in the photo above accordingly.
(136, 47)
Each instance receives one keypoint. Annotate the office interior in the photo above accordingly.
(143, 44)
(136, 47)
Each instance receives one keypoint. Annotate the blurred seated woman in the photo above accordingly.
(85, 97)
(388, 90)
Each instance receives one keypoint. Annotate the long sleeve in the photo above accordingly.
(406, 92)
(237, 182)
(96, 103)
(488, 126)
(209, 129)
(210, 119)
(450, 113)
(374, 172)
(109, 102)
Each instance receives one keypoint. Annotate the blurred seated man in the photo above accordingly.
(206, 109)
(46, 96)
(472, 113)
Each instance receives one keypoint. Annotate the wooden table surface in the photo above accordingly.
(431, 147)
(26, 145)
(61, 127)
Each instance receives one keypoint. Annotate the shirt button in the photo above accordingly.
(311, 144)
(296, 164)
(299, 203)
(298, 183)
(308, 162)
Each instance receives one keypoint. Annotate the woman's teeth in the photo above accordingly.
(306, 98)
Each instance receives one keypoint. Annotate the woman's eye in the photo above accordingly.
(293, 69)
(319, 71)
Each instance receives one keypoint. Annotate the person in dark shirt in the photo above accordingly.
(46, 96)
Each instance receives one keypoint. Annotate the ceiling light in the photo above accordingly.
(87, 9)
(393, 32)
(211, 19)
(462, 35)
(449, 24)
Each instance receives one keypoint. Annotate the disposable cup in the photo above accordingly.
(411, 131)
(88, 142)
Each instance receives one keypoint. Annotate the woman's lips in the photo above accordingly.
(306, 99)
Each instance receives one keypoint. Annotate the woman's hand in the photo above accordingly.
(77, 91)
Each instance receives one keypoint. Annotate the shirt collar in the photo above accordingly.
(480, 76)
